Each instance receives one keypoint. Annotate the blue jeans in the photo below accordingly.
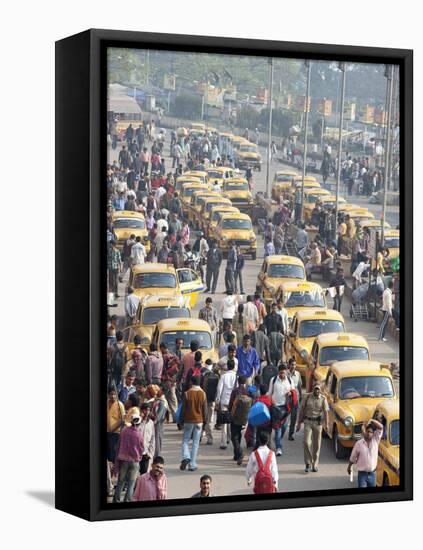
(279, 433)
(191, 431)
(366, 479)
(128, 472)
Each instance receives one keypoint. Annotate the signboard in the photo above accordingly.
(324, 107)
(300, 103)
(169, 82)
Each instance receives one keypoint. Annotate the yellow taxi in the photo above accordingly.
(164, 280)
(215, 214)
(392, 242)
(238, 190)
(153, 309)
(187, 191)
(330, 347)
(248, 156)
(328, 202)
(236, 141)
(281, 184)
(197, 199)
(206, 208)
(306, 325)
(360, 214)
(168, 330)
(219, 174)
(373, 224)
(311, 196)
(198, 174)
(181, 180)
(126, 223)
(354, 389)
(276, 270)
(388, 464)
(300, 295)
(198, 126)
(238, 228)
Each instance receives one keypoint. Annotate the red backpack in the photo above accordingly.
(263, 482)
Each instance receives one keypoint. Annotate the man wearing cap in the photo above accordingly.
(129, 454)
(314, 413)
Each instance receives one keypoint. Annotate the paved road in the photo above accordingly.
(229, 479)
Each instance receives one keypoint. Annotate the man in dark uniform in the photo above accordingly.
(214, 259)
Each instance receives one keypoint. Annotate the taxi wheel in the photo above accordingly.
(340, 451)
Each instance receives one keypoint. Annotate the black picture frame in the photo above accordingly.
(81, 283)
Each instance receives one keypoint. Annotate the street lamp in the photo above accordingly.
(307, 63)
(269, 152)
(342, 67)
(389, 70)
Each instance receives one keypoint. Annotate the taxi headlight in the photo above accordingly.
(304, 354)
(348, 422)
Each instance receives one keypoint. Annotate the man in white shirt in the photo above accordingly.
(229, 306)
(216, 187)
(230, 356)
(279, 389)
(387, 309)
(159, 193)
(138, 252)
(263, 452)
(131, 306)
(225, 386)
(251, 312)
(281, 310)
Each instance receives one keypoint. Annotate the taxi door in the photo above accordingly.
(190, 284)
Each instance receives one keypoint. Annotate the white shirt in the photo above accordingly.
(216, 188)
(252, 466)
(362, 266)
(138, 253)
(285, 319)
(160, 192)
(162, 223)
(279, 390)
(251, 312)
(131, 305)
(387, 300)
(204, 247)
(225, 386)
(228, 307)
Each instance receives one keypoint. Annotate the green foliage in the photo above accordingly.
(317, 128)
(282, 120)
(187, 106)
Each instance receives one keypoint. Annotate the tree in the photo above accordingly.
(317, 128)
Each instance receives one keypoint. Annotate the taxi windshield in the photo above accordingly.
(314, 327)
(236, 187)
(394, 434)
(154, 280)
(236, 224)
(128, 223)
(282, 179)
(216, 174)
(286, 270)
(152, 315)
(330, 354)
(392, 242)
(188, 191)
(216, 214)
(365, 386)
(248, 148)
(211, 205)
(306, 299)
(202, 337)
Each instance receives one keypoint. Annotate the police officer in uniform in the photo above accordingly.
(314, 414)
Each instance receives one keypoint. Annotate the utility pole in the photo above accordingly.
(269, 152)
(148, 66)
(389, 70)
(342, 67)
(307, 98)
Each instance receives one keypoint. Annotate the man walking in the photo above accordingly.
(239, 267)
(208, 313)
(262, 467)
(387, 309)
(209, 383)
(114, 266)
(147, 430)
(214, 259)
(279, 389)
(131, 306)
(138, 252)
(128, 457)
(364, 454)
(193, 416)
(248, 360)
(230, 269)
(295, 377)
(314, 413)
(224, 391)
(152, 485)
(239, 405)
